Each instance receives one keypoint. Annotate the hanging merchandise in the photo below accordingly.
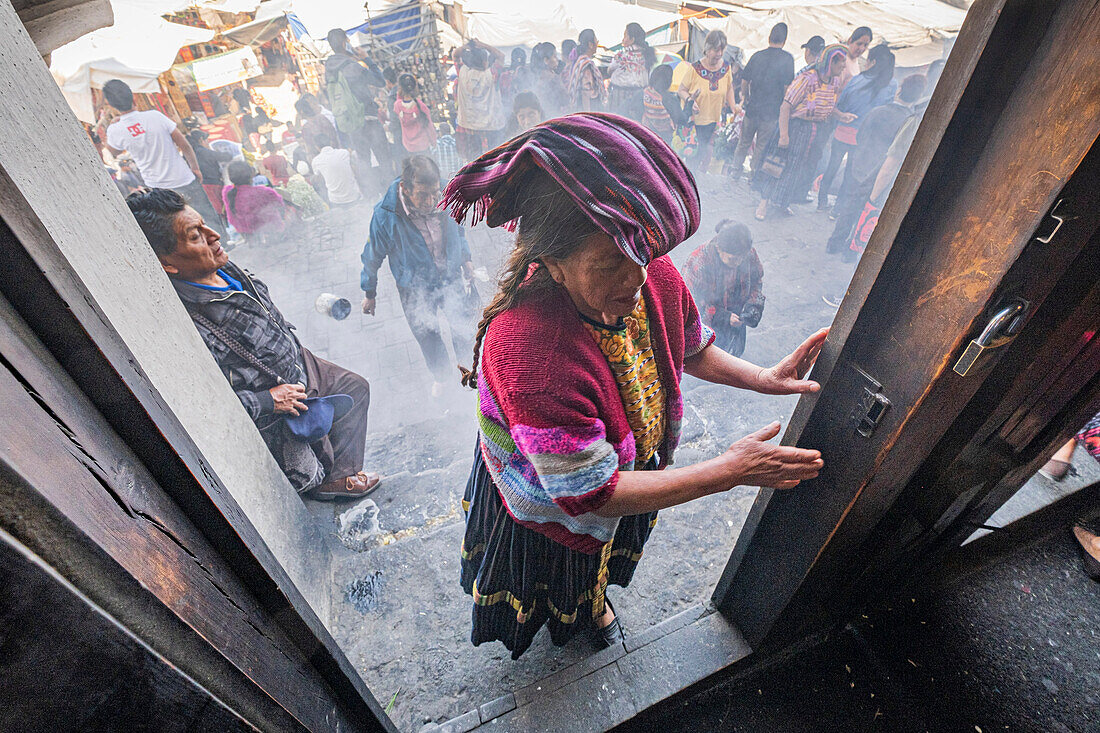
(407, 39)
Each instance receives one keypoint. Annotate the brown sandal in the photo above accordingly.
(350, 487)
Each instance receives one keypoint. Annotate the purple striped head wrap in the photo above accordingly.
(623, 176)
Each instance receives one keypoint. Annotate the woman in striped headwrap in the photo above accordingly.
(807, 106)
(581, 354)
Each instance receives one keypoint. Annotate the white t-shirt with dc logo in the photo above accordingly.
(147, 137)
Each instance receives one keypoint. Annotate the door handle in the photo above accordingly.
(1002, 328)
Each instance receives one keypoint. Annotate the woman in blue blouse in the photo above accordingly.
(872, 88)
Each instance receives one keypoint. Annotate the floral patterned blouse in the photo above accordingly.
(629, 353)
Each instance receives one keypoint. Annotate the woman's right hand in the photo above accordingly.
(289, 399)
(752, 461)
(784, 140)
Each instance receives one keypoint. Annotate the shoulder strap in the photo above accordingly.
(236, 347)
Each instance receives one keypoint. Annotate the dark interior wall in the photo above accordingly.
(1015, 646)
(69, 666)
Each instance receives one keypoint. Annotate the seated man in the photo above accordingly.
(258, 352)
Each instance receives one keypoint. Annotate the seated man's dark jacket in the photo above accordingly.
(249, 317)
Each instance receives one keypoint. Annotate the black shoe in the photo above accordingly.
(611, 634)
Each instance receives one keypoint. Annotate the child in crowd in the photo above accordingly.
(274, 165)
(727, 279)
(417, 131)
(526, 113)
(663, 112)
(446, 153)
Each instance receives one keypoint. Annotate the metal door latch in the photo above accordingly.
(1002, 328)
(870, 407)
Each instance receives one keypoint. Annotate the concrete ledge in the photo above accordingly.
(666, 627)
(496, 708)
(615, 684)
(682, 658)
(461, 724)
(573, 672)
(592, 703)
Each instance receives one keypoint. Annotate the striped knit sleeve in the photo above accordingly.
(567, 446)
(799, 88)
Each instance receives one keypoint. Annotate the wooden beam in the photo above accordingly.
(69, 480)
(51, 211)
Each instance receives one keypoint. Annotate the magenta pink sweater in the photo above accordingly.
(554, 432)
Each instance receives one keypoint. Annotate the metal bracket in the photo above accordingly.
(1053, 215)
(871, 405)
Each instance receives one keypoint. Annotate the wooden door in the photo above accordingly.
(1007, 140)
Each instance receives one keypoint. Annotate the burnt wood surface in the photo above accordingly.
(1016, 112)
(100, 676)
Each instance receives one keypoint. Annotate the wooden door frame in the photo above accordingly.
(234, 622)
(807, 534)
(1010, 122)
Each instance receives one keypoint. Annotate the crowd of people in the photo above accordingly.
(835, 131)
(578, 355)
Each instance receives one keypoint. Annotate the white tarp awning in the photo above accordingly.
(321, 16)
(136, 49)
(914, 29)
(507, 23)
(269, 21)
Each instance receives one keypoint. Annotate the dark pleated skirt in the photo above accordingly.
(521, 580)
(782, 191)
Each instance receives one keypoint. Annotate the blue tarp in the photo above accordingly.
(399, 27)
(296, 26)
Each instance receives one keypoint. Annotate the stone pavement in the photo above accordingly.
(400, 614)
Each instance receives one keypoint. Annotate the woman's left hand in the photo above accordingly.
(786, 377)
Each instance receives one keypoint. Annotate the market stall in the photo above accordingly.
(137, 49)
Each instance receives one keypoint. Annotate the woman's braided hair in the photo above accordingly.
(552, 226)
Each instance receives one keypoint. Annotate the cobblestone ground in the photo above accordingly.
(400, 613)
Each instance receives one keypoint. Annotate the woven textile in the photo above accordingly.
(629, 352)
(554, 430)
(626, 179)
